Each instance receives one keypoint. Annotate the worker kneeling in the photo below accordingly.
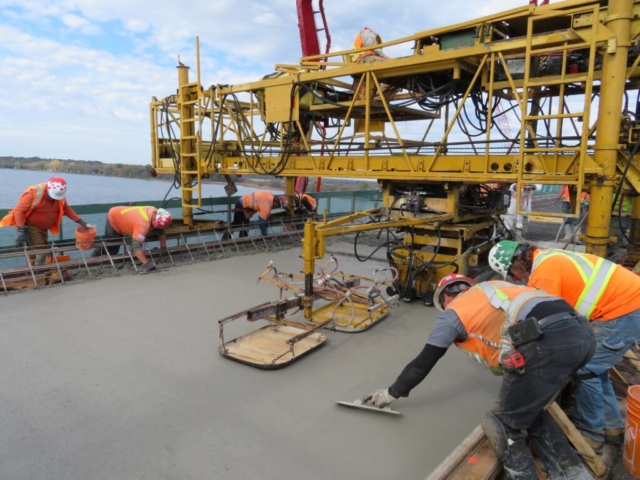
(536, 340)
(137, 222)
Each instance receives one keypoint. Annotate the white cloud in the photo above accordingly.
(78, 23)
(79, 74)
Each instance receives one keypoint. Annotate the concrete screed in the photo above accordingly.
(120, 378)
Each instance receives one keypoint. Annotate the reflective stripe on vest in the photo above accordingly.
(9, 219)
(39, 193)
(595, 277)
(255, 202)
(511, 308)
(140, 209)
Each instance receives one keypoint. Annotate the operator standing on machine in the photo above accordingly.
(537, 341)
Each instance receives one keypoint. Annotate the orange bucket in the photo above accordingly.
(59, 258)
(85, 236)
(631, 454)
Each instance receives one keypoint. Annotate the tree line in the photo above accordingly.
(93, 167)
(85, 167)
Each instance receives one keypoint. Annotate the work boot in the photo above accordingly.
(510, 448)
(614, 436)
(555, 452)
(595, 444)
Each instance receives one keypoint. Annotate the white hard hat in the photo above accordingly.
(56, 188)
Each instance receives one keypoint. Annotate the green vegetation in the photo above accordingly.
(76, 166)
(87, 167)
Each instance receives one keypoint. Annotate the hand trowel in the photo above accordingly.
(363, 406)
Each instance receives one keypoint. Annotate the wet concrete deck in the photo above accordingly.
(121, 378)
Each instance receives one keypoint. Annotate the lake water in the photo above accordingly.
(87, 189)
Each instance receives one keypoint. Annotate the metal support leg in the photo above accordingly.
(33, 275)
(217, 237)
(86, 265)
(126, 249)
(115, 270)
(233, 239)
(203, 244)
(186, 245)
(54, 258)
(149, 253)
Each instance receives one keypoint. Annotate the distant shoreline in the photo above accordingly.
(152, 179)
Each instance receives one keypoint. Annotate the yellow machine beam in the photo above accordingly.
(439, 138)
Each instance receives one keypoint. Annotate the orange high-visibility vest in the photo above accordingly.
(10, 221)
(261, 202)
(595, 287)
(487, 311)
(309, 199)
(134, 221)
(358, 43)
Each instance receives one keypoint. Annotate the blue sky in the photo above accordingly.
(78, 75)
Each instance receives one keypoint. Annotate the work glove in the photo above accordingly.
(148, 267)
(82, 223)
(164, 251)
(380, 398)
(22, 239)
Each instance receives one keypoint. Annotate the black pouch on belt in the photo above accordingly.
(526, 331)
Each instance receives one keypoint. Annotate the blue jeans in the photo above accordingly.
(596, 403)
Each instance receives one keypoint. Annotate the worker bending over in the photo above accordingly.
(261, 202)
(604, 292)
(308, 203)
(137, 222)
(40, 209)
(536, 340)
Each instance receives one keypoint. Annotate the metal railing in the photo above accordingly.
(24, 265)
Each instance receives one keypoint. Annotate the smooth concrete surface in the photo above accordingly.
(120, 378)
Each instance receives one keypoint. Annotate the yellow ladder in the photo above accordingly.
(541, 163)
(191, 161)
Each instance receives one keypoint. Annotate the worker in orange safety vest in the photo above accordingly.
(369, 38)
(505, 326)
(40, 209)
(571, 224)
(137, 222)
(260, 202)
(604, 292)
(308, 203)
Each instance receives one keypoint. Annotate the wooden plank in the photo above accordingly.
(469, 445)
(480, 465)
(591, 458)
(473, 459)
(631, 355)
(616, 373)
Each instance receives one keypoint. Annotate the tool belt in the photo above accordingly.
(531, 329)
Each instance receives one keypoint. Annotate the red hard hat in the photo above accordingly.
(162, 219)
(452, 283)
